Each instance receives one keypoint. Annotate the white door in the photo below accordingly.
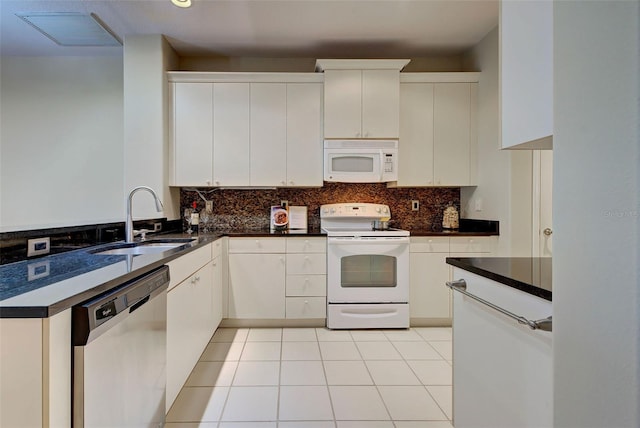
(360, 270)
(542, 203)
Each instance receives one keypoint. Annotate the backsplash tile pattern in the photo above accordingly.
(249, 209)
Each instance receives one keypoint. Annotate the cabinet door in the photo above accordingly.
(189, 327)
(415, 148)
(304, 134)
(268, 147)
(342, 104)
(380, 103)
(231, 134)
(452, 134)
(192, 134)
(429, 296)
(217, 292)
(256, 286)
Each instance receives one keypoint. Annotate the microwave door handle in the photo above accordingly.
(381, 164)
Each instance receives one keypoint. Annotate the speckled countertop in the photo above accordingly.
(44, 286)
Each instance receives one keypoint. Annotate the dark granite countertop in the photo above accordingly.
(43, 286)
(529, 274)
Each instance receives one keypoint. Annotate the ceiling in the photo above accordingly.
(268, 28)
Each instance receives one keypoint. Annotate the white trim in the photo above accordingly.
(208, 77)
(535, 203)
(361, 64)
(452, 77)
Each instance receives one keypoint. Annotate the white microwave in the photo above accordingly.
(361, 161)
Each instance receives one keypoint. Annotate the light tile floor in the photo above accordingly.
(319, 378)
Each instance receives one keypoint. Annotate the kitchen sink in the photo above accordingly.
(146, 247)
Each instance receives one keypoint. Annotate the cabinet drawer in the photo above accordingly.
(306, 285)
(257, 245)
(306, 245)
(475, 244)
(429, 244)
(182, 267)
(306, 307)
(298, 264)
(217, 247)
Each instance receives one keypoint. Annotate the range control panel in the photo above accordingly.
(351, 210)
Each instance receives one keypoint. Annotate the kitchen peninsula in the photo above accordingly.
(502, 367)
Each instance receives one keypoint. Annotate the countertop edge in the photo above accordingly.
(511, 282)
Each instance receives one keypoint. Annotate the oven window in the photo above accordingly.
(352, 164)
(368, 271)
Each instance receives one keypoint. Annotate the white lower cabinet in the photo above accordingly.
(277, 278)
(191, 317)
(256, 278)
(430, 300)
(306, 287)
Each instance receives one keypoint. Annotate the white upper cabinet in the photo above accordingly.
(304, 134)
(268, 163)
(415, 148)
(454, 128)
(438, 127)
(526, 74)
(361, 98)
(230, 134)
(192, 151)
(247, 129)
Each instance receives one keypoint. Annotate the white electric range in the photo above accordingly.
(367, 269)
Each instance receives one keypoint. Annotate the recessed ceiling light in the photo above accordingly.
(71, 28)
(182, 3)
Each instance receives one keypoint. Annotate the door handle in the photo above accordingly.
(547, 232)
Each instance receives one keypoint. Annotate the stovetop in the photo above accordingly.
(358, 231)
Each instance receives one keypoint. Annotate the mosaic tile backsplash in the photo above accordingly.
(249, 209)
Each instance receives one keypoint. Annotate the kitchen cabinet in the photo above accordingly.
(526, 74)
(306, 282)
(429, 298)
(361, 98)
(190, 315)
(268, 142)
(438, 126)
(247, 129)
(217, 284)
(304, 134)
(498, 363)
(231, 136)
(192, 151)
(35, 371)
(257, 278)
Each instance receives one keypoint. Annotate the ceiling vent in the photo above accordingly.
(71, 28)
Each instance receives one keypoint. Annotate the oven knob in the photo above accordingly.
(333, 210)
(378, 210)
(385, 210)
(325, 210)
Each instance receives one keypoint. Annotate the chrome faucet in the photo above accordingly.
(128, 227)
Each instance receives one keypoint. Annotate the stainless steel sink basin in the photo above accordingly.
(146, 247)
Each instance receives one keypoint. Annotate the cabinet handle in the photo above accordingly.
(306, 302)
(430, 241)
(545, 324)
(208, 182)
(217, 183)
(283, 182)
(291, 182)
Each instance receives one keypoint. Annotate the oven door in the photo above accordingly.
(368, 269)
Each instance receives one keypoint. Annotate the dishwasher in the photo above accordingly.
(119, 355)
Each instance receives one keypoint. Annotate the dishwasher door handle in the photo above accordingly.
(544, 324)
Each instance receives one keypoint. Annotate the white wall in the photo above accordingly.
(60, 141)
(504, 177)
(596, 214)
(146, 143)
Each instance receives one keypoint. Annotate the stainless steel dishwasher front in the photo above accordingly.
(119, 355)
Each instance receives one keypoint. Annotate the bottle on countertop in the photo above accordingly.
(195, 218)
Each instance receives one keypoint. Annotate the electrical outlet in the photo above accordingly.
(38, 246)
(208, 206)
(415, 205)
(478, 204)
(284, 204)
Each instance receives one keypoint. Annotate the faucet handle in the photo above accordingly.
(142, 232)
